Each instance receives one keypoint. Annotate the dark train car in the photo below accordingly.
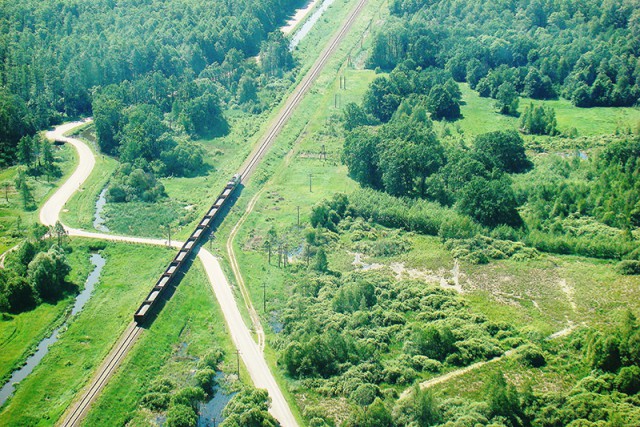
(174, 267)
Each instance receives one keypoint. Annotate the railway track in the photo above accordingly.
(80, 409)
(298, 93)
(113, 360)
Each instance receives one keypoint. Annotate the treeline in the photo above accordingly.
(54, 53)
(405, 158)
(582, 50)
(35, 272)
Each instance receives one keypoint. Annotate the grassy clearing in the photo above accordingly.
(20, 333)
(14, 219)
(127, 276)
(188, 326)
(80, 210)
(479, 116)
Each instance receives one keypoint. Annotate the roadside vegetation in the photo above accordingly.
(183, 359)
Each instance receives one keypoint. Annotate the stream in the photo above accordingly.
(99, 221)
(210, 414)
(309, 23)
(43, 347)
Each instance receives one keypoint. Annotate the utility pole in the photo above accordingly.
(238, 362)
(285, 256)
(279, 254)
(298, 216)
(310, 183)
(264, 297)
(169, 230)
(269, 249)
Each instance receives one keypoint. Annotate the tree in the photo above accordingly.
(25, 150)
(503, 150)
(503, 400)
(60, 232)
(47, 273)
(442, 104)
(538, 86)
(202, 116)
(275, 56)
(107, 118)
(140, 136)
(539, 120)
(180, 415)
(355, 116)
(380, 99)
(420, 407)
(507, 99)
(249, 408)
(490, 202)
(361, 155)
(247, 90)
(321, 264)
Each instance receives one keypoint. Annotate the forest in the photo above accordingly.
(129, 66)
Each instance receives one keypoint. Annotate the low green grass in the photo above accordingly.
(188, 326)
(479, 116)
(43, 396)
(80, 210)
(14, 219)
(20, 333)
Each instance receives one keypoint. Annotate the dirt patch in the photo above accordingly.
(443, 278)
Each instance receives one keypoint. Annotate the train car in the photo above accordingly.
(185, 251)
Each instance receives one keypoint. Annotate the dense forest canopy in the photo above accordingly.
(584, 50)
(55, 55)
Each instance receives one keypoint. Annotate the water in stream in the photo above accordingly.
(99, 221)
(43, 346)
(309, 23)
(211, 411)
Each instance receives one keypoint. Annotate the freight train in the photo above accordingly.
(174, 267)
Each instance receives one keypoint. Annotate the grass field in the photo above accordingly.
(479, 116)
(127, 276)
(189, 325)
(80, 210)
(14, 219)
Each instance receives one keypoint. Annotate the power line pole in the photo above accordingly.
(238, 362)
(264, 297)
(298, 216)
(310, 183)
(269, 249)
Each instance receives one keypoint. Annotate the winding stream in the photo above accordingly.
(99, 221)
(43, 347)
(309, 23)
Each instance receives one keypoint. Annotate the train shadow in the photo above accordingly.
(170, 290)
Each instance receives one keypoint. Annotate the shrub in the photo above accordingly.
(532, 356)
(629, 267)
